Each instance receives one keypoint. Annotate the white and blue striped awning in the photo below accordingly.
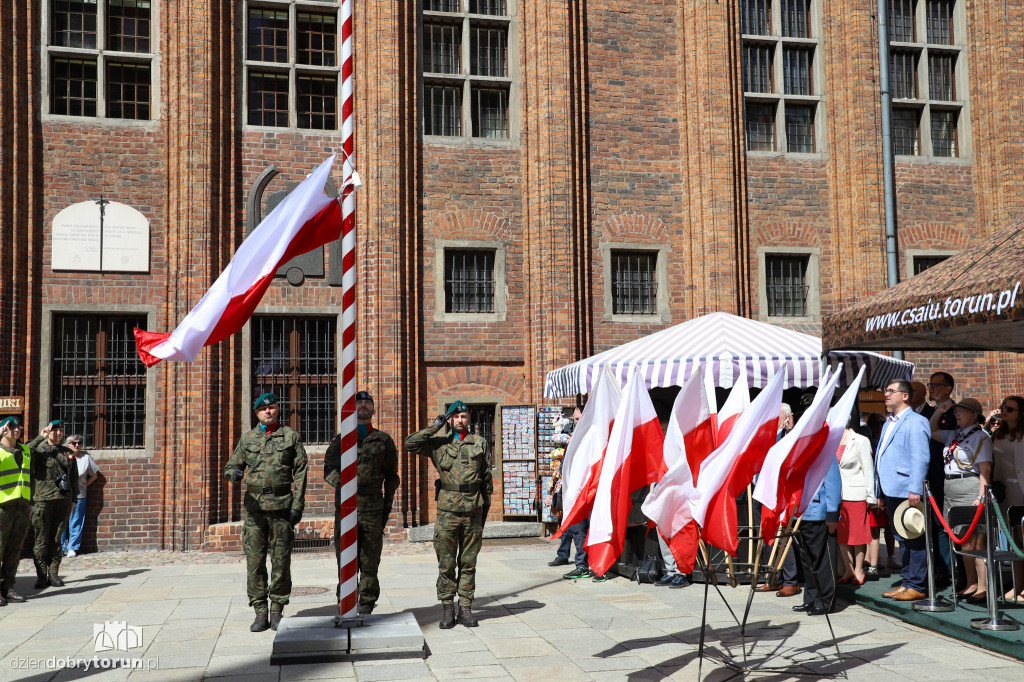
(725, 345)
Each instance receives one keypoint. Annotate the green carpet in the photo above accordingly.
(956, 624)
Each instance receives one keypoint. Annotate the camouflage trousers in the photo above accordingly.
(14, 522)
(49, 519)
(267, 532)
(370, 538)
(457, 540)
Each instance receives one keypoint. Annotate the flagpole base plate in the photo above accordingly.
(998, 624)
(936, 605)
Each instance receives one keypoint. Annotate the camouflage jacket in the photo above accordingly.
(49, 462)
(277, 464)
(465, 464)
(377, 465)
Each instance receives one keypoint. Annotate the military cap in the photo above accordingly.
(264, 400)
(458, 406)
(364, 395)
(57, 424)
(11, 421)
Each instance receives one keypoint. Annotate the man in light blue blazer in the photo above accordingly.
(901, 466)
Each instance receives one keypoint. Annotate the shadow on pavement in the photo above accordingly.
(34, 594)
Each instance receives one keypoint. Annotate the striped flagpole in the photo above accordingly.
(347, 537)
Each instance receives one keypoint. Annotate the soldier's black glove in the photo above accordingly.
(237, 475)
(294, 516)
(439, 421)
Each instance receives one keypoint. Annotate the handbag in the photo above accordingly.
(649, 571)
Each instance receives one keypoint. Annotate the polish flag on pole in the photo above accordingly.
(689, 438)
(306, 219)
(633, 459)
(735, 404)
(581, 464)
(730, 468)
(786, 465)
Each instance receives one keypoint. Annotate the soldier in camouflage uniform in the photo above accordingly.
(377, 466)
(54, 491)
(277, 463)
(15, 504)
(463, 492)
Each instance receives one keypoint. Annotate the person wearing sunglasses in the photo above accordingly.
(88, 471)
(1008, 452)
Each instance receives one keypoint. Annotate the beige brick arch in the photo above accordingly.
(469, 382)
(935, 236)
(786, 233)
(634, 227)
(473, 224)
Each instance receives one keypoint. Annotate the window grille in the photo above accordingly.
(796, 16)
(796, 69)
(760, 127)
(757, 67)
(317, 36)
(941, 85)
(922, 263)
(800, 129)
(786, 285)
(99, 383)
(901, 21)
(469, 281)
(73, 87)
(944, 133)
(74, 24)
(318, 102)
(296, 359)
(128, 90)
(489, 53)
(906, 133)
(490, 113)
(441, 5)
(634, 282)
(495, 8)
(443, 110)
(268, 35)
(128, 26)
(268, 99)
(756, 17)
(940, 21)
(903, 68)
(442, 50)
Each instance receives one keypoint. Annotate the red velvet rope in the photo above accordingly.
(949, 532)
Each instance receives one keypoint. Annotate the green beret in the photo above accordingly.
(12, 421)
(57, 424)
(458, 406)
(264, 400)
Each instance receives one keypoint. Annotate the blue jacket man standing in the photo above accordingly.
(820, 555)
(901, 466)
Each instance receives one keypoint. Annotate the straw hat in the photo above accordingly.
(909, 521)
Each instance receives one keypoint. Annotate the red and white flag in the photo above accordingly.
(632, 460)
(306, 219)
(732, 408)
(780, 483)
(581, 464)
(689, 438)
(730, 468)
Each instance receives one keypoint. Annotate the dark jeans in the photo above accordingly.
(563, 547)
(578, 531)
(914, 552)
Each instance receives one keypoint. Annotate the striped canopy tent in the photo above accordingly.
(725, 345)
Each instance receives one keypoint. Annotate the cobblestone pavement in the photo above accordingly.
(193, 614)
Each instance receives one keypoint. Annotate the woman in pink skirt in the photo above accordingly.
(858, 473)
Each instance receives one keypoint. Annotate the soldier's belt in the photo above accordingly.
(369, 490)
(269, 490)
(461, 487)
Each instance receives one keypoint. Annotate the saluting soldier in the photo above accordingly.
(55, 480)
(15, 504)
(463, 493)
(276, 460)
(377, 466)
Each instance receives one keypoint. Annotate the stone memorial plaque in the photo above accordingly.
(117, 241)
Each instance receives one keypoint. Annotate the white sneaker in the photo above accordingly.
(72, 552)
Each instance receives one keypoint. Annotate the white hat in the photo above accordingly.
(909, 521)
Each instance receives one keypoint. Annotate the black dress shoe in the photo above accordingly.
(815, 611)
(665, 581)
(559, 562)
(679, 581)
(801, 607)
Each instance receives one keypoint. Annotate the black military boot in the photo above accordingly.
(13, 597)
(261, 623)
(55, 579)
(365, 609)
(42, 580)
(466, 616)
(447, 616)
(275, 620)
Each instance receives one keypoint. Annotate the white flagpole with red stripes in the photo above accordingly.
(347, 536)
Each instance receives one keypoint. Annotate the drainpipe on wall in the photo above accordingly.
(888, 173)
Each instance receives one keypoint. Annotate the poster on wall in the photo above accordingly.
(519, 460)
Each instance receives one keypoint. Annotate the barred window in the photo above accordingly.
(99, 383)
(99, 58)
(922, 263)
(924, 67)
(788, 48)
(296, 359)
(634, 276)
(292, 64)
(786, 284)
(467, 91)
(469, 281)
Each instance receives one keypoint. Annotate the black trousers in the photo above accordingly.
(819, 555)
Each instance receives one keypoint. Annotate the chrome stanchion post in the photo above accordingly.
(992, 621)
(932, 603)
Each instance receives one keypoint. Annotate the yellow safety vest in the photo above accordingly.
(15, 482)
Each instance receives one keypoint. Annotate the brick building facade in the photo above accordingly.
(616, 169)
